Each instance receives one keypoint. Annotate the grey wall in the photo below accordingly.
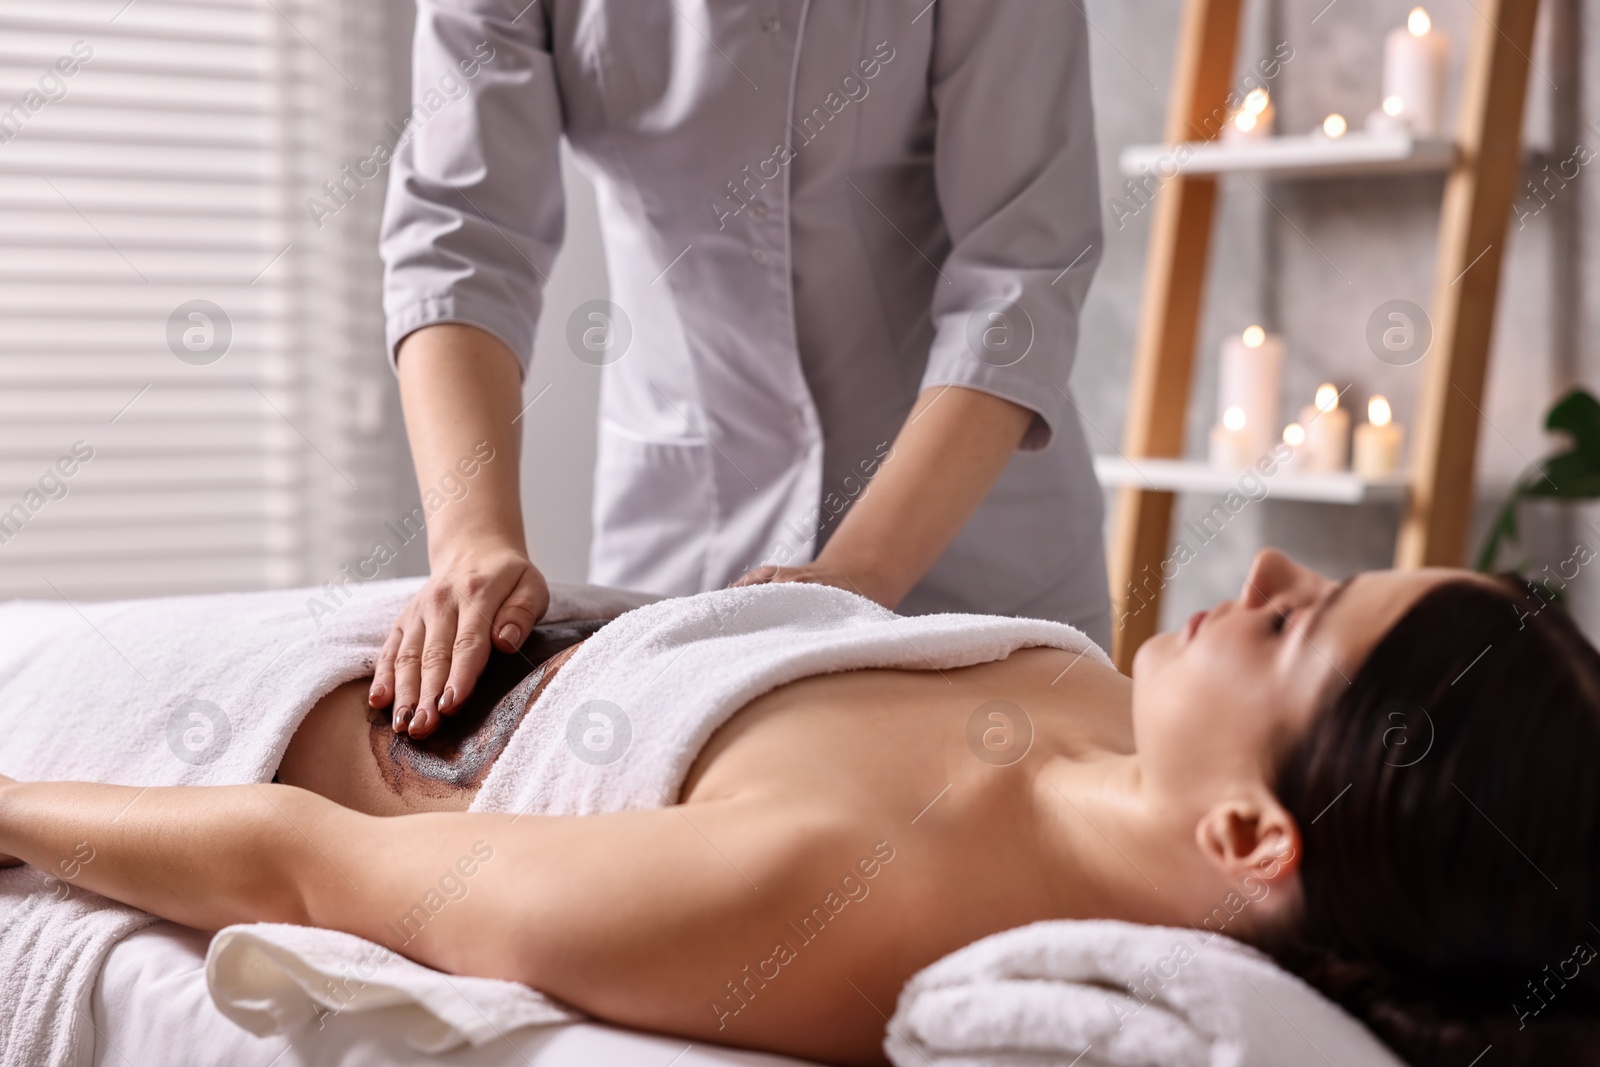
(1308, 259)
(558, 437)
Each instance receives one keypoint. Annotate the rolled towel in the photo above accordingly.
(1114, 994)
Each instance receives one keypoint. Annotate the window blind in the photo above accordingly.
(193, 391)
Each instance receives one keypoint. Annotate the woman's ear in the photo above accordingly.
(1253, 838)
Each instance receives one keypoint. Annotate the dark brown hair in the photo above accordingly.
(1449, 804)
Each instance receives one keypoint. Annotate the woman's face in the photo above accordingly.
(1216, 702)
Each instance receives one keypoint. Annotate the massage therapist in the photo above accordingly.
(847, 240)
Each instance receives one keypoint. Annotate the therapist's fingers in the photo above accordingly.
(772, 574)
(469, 653)
(382, 691)
(498, 608)
(522, 607)
(442, 615)
(407, 671)
(760, 576)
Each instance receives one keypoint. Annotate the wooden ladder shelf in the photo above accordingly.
(1472, 228)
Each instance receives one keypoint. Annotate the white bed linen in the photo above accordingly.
(151, 1006)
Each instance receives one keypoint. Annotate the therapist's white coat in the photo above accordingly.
(812, 210)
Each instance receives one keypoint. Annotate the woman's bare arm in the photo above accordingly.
(211, 856)
(642, 918)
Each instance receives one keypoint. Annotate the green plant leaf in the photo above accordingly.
(1578, 415)
(1570, 475)
(1573, 475)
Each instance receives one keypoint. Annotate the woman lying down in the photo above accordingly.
(1406, 759)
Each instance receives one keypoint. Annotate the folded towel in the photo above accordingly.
(1114, 994)
(200, 690)
(278, 979)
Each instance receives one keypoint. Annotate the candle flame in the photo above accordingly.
(1256, 101)
(1393, 105)
(1418, 22)
(1335, 125)
(1327, 397)
(1294, 435)
(1254, 336)
(1233, 419)
(1378, 411)
(1245, 120)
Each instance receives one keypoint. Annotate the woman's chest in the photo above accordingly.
(928, 783)
(892, 738)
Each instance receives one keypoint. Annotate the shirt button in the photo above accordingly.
(758, 254)
(770, 23)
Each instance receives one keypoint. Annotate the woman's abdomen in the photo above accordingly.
(350, 754)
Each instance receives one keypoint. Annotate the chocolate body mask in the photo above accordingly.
(457, 756)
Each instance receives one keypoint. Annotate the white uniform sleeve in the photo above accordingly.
(1015, 168)
(475, 212)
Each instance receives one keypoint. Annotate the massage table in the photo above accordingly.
(151, 1006)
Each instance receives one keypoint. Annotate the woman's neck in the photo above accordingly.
(1105, 851)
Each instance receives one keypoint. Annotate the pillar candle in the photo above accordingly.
(1231, 441)
(1248, 379)
(1327, 432)
(1415, 59)
(1378, 441)
(1294, 435)
(1253, 120)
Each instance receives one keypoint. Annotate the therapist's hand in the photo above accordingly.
(461, 389)
(441, 642)
(823, 572)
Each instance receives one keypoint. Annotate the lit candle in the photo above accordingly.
(1415, 60)
(1378, 440)
(1248, 379)
(1231, 440)
(1334, 126)
(1327, 428)
(1386, 119)
(1253, 120)
(1294, 435)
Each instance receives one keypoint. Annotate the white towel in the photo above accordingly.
(1113, 994)
(278, 979)
(183, 690)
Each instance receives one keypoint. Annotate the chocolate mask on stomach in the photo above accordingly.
(458, 754)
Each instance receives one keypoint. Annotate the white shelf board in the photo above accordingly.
(1190, 476)
(1310, 155)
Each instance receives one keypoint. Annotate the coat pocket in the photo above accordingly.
(655, 511)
